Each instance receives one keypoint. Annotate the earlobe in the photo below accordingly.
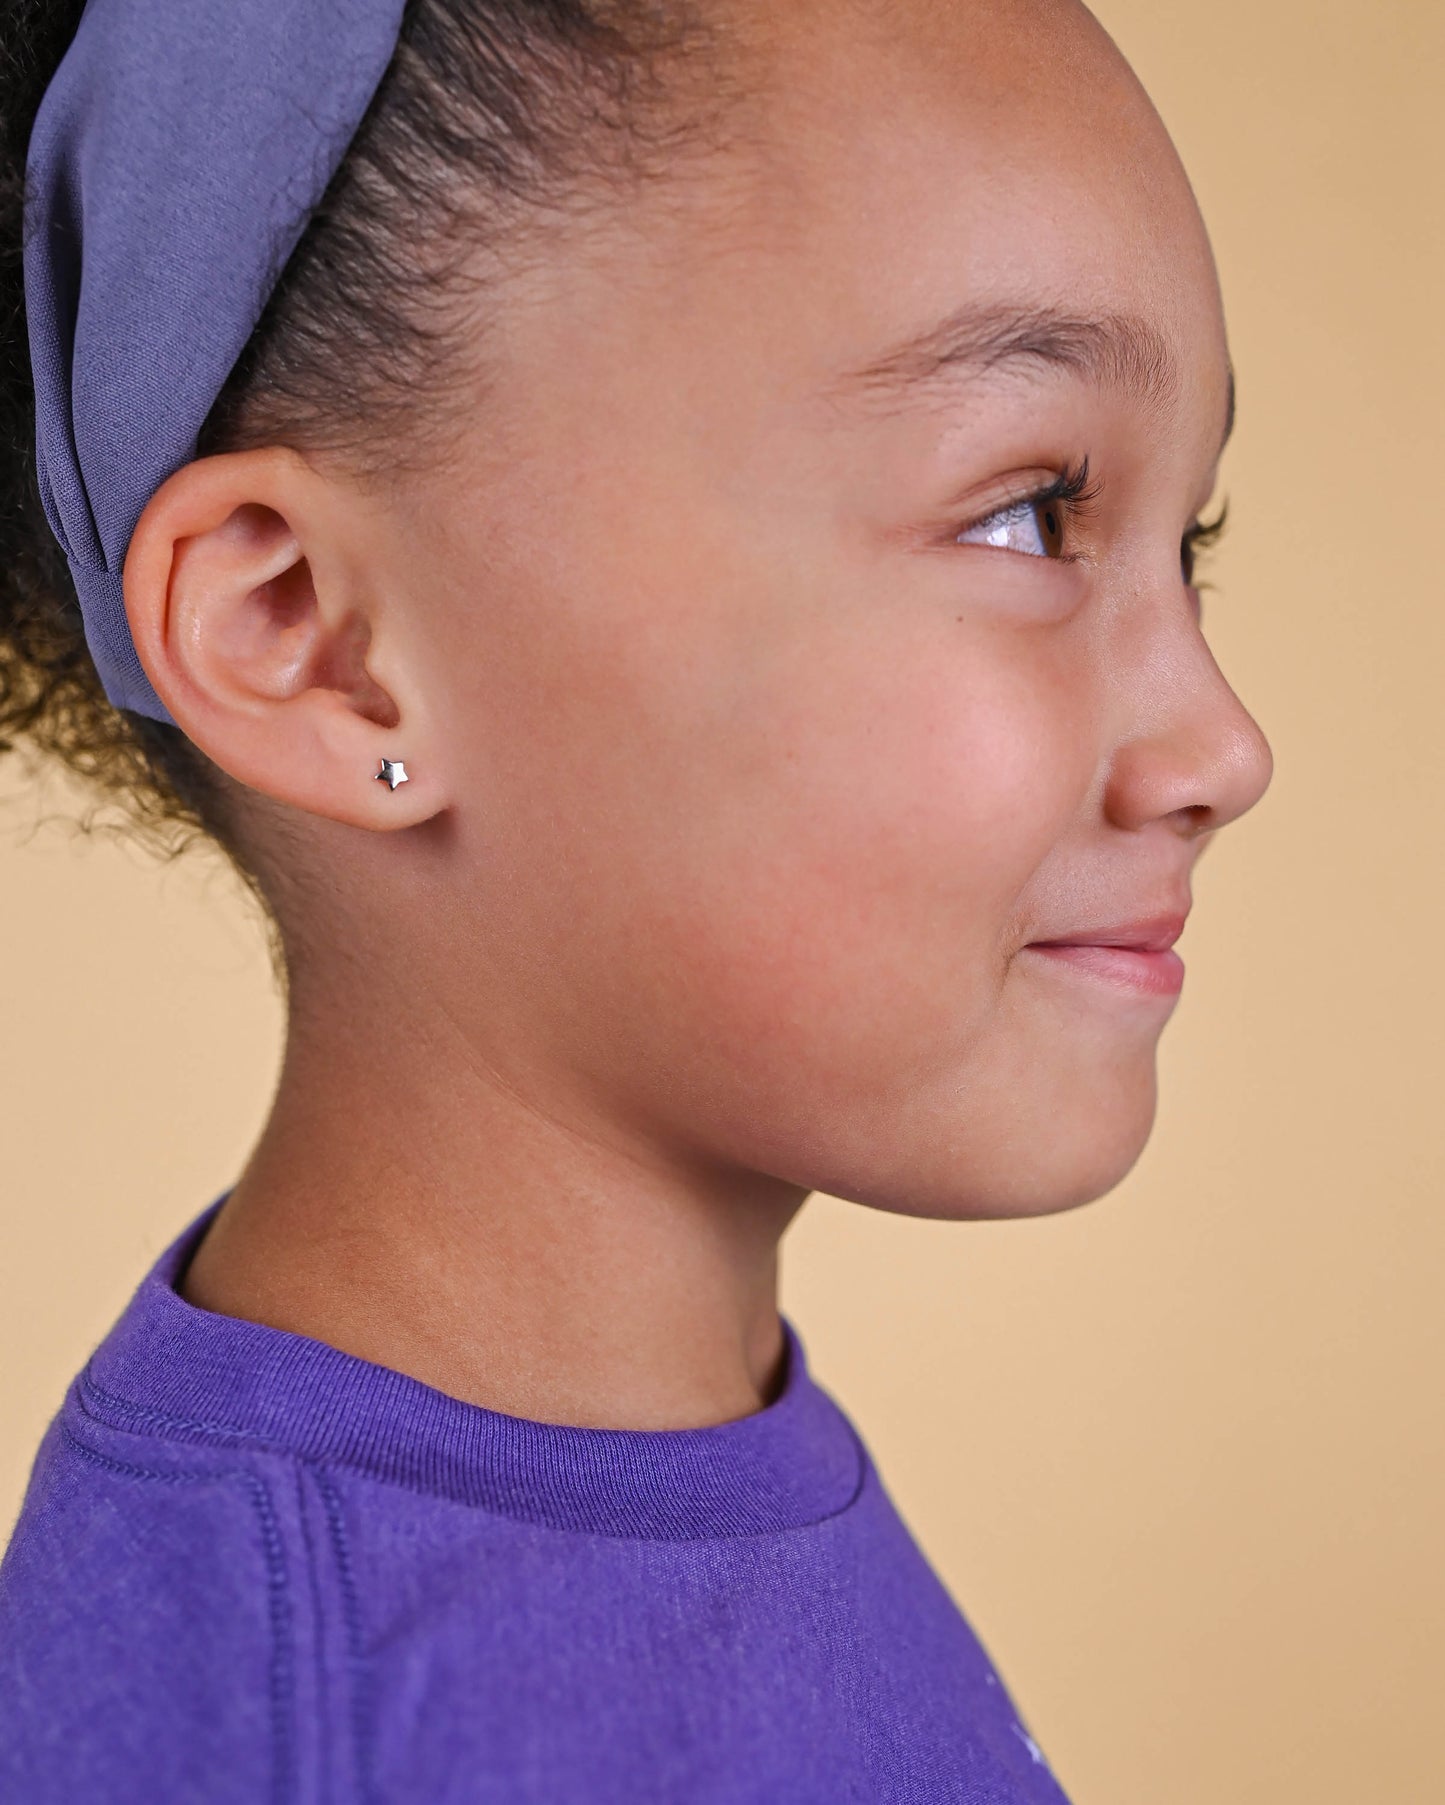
(250, 605)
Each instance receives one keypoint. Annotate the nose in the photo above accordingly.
(1191, 755)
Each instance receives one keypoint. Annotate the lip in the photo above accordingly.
(1138, 955)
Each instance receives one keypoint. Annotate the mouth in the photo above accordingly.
(1137, 956)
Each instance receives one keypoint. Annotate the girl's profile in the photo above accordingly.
(660, 537)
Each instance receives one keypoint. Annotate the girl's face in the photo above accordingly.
(809, 621)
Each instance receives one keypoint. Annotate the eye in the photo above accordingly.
(1037, 524)
(1034, 527)
(1202, 537)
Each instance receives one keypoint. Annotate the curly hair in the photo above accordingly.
(491, 115)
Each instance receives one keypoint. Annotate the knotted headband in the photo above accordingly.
(177, 155)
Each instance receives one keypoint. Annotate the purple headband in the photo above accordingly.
(176, 158)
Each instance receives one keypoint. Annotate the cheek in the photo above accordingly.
(846, 853)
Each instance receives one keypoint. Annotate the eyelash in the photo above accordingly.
(1073, 490)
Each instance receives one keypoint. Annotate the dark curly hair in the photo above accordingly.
(493, 116)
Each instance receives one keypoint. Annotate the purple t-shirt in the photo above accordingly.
(252, 1568)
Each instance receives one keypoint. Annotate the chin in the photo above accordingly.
(1068, 1186)
(1036, 1164)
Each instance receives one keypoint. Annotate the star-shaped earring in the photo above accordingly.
(393, 771)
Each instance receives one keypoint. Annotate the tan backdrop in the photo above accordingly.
(1179, 1454)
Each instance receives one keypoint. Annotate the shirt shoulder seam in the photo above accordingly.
(280, 1606)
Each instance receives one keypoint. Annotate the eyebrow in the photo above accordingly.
(1116, 350)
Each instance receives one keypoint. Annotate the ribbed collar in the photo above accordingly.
(171, 1368)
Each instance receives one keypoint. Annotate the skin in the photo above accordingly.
(740, 792)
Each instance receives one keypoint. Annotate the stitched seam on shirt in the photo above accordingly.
(122, 1411)
(318, 1639)
(140, 1413)
(356, 1657)
(281, 1680)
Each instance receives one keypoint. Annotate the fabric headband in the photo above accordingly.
(177, 155)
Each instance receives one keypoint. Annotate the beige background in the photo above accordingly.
(1180, 1453)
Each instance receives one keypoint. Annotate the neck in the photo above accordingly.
(410, 1203)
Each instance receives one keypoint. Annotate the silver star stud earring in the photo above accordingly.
(393, 772)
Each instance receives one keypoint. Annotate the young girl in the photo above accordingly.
(659, 535)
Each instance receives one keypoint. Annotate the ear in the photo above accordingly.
(254, 612)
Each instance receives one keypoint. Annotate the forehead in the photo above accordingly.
(893, 182)
(906, 163)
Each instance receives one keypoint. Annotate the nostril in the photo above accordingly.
(1194, 821)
